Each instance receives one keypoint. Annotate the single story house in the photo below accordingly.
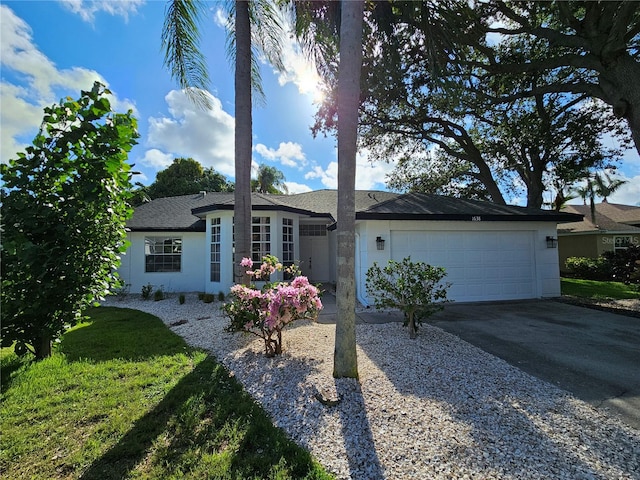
(616, 227)
(490, 251)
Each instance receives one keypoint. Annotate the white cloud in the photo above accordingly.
(221, 18)
(369, 176)
(42, 83)
(628, 193)
(288, 153)
(87, 9)
(204, 135)
(17, 117)
(299, 70)
(293, 187)
(328, 176)
(156, 159)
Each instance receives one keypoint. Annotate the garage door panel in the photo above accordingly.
(472, 257)
(480, 265)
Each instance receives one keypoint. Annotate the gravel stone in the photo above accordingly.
(435, 407)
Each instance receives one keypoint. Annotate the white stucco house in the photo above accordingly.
(490, 252)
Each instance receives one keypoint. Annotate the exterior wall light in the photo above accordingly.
(380, 243)
(552, 242)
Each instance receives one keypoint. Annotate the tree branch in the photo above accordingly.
(589, 89)
(587, 61)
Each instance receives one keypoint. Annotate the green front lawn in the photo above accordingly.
(124, 397)
(598, 290)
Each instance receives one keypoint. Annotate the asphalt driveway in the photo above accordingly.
(593, 354)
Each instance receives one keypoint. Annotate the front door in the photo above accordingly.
(314, 258)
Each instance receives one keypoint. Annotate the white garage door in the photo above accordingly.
(480, 265)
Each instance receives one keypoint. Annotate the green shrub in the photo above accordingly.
(589, 268)
(415, 288)
(181, 299)
(208, 297)
(146, 291)
(158, 295)
(624, 264)
(200, 295)
(123, 291)
(221, 296)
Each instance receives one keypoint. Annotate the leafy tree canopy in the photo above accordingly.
(64, 208)
(186, 176)
(440, 114)
(593, 48)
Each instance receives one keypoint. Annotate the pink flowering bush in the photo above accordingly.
(265, 312)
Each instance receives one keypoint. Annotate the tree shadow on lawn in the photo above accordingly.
(514, 425)
(356, 431)
(112, 334)
(206, 422)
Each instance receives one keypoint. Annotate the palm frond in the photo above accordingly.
(267, 36)
(182, 55)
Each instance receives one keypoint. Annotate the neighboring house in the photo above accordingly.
(616, 227)
(490, 252)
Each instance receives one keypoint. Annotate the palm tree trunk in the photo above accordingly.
(345, 363)
(243, 141)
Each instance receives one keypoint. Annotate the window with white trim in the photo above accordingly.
(287, 242)
(260, 238)
(313, 230)
(215, 250)
(162, 254)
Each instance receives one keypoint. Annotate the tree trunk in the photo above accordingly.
(345, 362)
(412, 326)
(484, 175)
(43, 347)
(243, 142)
(621, 83)
(535, 185)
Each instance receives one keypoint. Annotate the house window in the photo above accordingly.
(162, 254)
(260, 238)
(313, 230)
(622, 242)
(287, 242)
(215, 249)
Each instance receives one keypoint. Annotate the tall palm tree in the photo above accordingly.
(606, 186)
(598, 185)
(345, 362)
(180, 40)
(269, 180)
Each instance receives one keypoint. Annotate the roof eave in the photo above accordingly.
(465, 217)
(198, 211)
(167, 229)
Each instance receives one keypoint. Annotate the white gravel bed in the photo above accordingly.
(431, 408)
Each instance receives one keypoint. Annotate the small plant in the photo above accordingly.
(221, 296)
(266, 312)
(122, 291)
(416, 289)
(181, 299)
(208, 298)
(158, 295)
(200, 295)
(146, 291)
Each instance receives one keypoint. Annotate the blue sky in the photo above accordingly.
(51, 49)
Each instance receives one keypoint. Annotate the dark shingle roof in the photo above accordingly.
(610, 217)
(186, 212)
(421, 206)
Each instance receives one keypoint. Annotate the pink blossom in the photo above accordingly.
(246, 262)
